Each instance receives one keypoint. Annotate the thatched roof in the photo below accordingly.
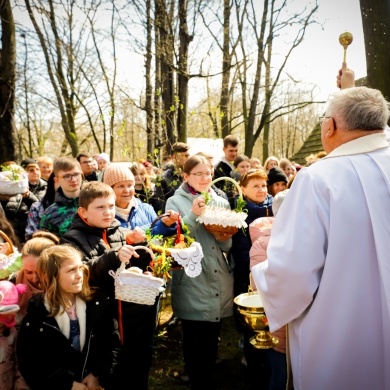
(311, 146)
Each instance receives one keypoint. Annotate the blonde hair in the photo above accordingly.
(48, 267)
(45, 159)
(137, 169)
(38, 243)
(270, 158)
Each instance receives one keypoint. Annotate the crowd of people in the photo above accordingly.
(316, 265)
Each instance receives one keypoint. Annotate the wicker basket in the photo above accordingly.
(11, 261)
(137, 288)
(221, 232)
(8, 187)
(161, 248)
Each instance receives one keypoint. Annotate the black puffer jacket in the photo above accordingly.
(39, 189)
(46, 358)
(99, 257)
(16, 211)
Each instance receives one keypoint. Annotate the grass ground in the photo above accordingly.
(168, 364)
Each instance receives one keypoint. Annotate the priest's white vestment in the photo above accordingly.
(328, 269)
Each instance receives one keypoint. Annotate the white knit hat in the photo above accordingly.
(115, 173)
(103, 156)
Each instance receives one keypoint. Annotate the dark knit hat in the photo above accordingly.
(275, 175)
(28, 161)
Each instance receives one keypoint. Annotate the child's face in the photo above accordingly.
(255, 190)
(288, 170)
(139, 178)
(277, 187)
(70, 275)
(243, 167)
(100, 213)
(30, 269)
(102, 164)
(271, 164)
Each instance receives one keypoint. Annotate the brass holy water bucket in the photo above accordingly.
(252, 315)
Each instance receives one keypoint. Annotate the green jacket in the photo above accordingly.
(59, 215)
(209, 296)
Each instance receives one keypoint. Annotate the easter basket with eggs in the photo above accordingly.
(221, 222)
(132, 285)
(175, 252)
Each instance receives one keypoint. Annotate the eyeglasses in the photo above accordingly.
(71, 176)
(201, 174)
(322, 118)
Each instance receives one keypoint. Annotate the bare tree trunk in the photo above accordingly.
(164, 17)
(185, 40)
(160, 138)
(226, 64)
(8, 138)
(376, 22)
(148, 82)
(249, 131)
(110, 85)
(62, 91)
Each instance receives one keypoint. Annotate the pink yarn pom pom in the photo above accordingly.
(22, 288)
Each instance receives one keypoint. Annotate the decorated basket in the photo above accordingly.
(179, 251)
(10, 186)
(137, 287)
(11, 261)
(221, 222)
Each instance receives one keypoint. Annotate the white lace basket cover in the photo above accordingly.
(137, 288)
(189, 258)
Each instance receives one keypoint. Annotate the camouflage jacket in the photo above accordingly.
(58, 216)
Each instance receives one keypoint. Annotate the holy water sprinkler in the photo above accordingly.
(345, 40)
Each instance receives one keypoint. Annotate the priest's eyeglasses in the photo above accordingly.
(322, 118)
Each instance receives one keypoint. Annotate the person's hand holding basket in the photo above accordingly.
(222, 223)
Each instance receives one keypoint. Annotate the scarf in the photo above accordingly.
(63, 320)
(123, 213)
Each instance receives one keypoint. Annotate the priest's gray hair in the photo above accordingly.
(359, 108)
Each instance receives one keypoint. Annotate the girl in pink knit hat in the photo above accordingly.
(9, 373)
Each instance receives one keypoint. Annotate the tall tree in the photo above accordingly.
(376, 22)
(277, 23)
(59, 75)
(8, 138)
(183, 77)
(164, 16)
